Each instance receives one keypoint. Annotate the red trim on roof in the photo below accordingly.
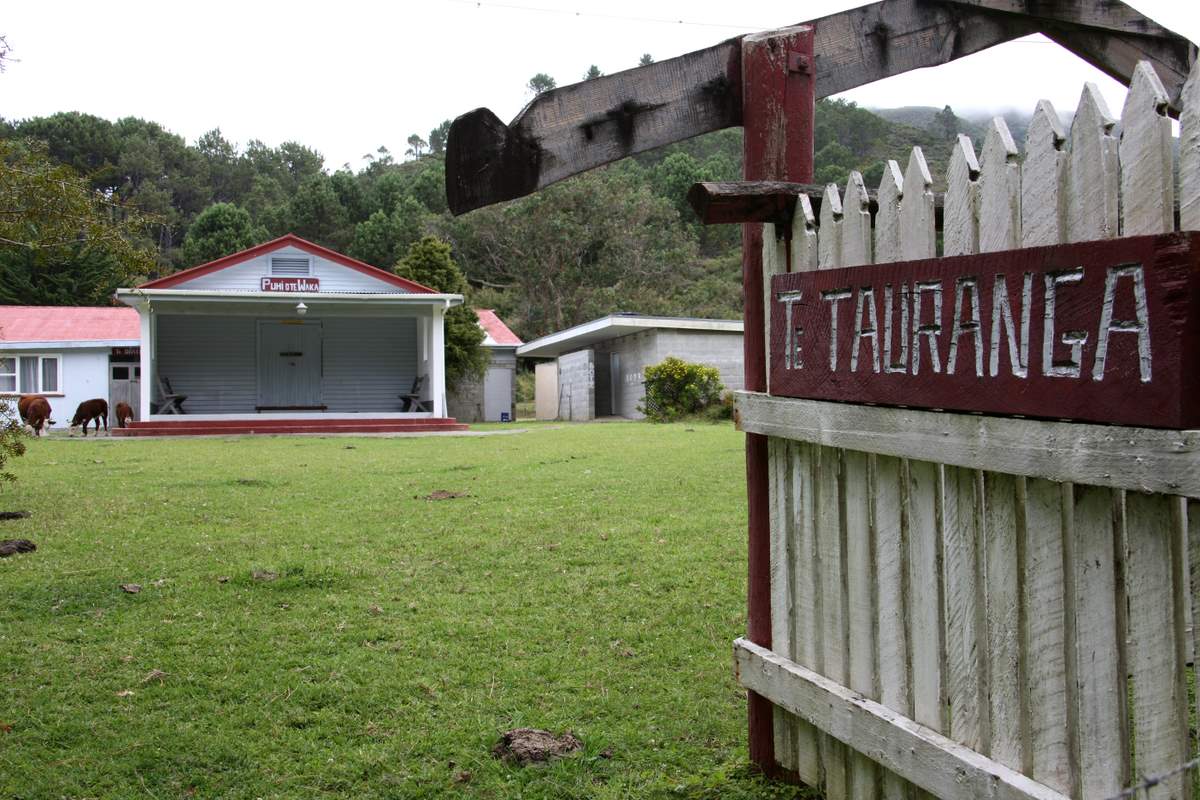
(494, 327)
(283, 241)
(68, 323)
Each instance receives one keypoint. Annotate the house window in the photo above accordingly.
(30, 374)
(8, 374)
(122, 372)
(291, 265)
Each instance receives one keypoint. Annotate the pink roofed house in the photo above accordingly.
(69, 354)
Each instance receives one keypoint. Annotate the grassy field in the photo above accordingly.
(591, 579)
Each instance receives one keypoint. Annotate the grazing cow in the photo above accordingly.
(23, 404)
(89, 410)
(124, 415)
(35, 412)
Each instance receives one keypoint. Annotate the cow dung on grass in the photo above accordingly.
(525, 746)
(10, 546)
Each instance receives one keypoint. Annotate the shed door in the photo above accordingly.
(497, 393)
(124, 386)
(289, 364)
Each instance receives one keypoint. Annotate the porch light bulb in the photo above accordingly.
(301, 309)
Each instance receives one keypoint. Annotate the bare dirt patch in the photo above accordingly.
(442, 494)
(525, 746)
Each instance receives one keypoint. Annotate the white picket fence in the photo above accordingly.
(973, 606)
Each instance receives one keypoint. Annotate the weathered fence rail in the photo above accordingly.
(976, 606)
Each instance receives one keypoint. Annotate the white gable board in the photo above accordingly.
(247, 276)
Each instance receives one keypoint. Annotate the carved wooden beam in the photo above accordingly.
(876, 41)
(569, 130)
(575, 128)
(1110, 36)
(1113, 17)
(1117, 54)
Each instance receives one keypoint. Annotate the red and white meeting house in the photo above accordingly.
(290, 336)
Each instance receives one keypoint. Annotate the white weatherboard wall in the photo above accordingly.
(212, 360)
(247, 276)
(367, 363)
(84, 377)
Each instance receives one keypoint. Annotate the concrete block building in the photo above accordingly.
(596, 369)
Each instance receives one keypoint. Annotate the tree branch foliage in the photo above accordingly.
(59, 237)
(428, 262)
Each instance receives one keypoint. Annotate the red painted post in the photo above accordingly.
(777, 110)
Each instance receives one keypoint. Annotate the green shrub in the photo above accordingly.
(676, 388)
(720, 411)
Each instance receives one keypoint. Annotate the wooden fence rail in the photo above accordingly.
(972, 606)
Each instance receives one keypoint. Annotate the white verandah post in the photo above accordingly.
(437, 361)
(146, 355)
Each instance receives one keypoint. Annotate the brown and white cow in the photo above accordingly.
(96, 409)
(124, 415)
(35, 412)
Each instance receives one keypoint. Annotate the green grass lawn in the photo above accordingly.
(591, 580)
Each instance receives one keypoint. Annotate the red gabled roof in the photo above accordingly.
(67, 323)
(495, 328)
(283, 241)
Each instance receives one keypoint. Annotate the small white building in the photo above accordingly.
(492, 397)
(69, 355)
(598, 367)
(289, 333)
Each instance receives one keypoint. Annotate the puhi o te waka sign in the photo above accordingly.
(1103, 331)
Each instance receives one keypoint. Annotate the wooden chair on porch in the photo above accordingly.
(411, 401)
(169, 402)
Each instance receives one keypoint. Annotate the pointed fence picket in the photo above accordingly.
(945, 624)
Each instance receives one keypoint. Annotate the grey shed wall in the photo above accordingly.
(713, 349)
(635, 352)
(626, 356)
(481, 399)
(576, 386)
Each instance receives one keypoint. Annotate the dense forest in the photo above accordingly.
(620, 238)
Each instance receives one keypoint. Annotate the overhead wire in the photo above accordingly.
(569, 12)
(482, 4)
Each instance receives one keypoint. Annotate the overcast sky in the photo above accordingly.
(347, 77)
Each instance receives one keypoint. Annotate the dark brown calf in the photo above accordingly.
(124, 415)
(89, 410)
(35, 412)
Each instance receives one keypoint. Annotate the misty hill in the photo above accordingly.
(972, 123)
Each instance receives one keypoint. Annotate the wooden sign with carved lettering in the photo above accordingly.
(1103, 331)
